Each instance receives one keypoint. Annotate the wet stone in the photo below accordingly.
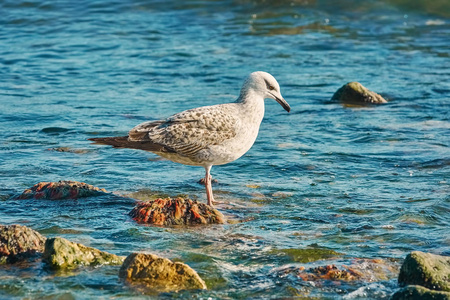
(63, 254)
(179, 211)
(19, 243)
(417, 292)
(202, 181)
(61, 190)
(370, 270)
(69, 150)
(160, 274)
(426, 269)
(356, 93)
(306, 255)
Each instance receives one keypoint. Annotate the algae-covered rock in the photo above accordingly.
(60, 253)
(19, 242)
(417, 292)
(177, 211)
(307, 254)
(70, 150)
(329, 272)
(361, 269)
(61, 190)
(356, 93)
(159, 273)
(426, 269)
(312, 27)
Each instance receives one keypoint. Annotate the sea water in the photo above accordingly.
(367, 182)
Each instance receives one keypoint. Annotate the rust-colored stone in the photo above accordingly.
(359, 270)
(177, 211)
(19, 242)
(61, 190)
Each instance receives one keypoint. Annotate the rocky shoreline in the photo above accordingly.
(421, 276)
(20, 243)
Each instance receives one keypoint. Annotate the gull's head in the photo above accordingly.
(266, 86)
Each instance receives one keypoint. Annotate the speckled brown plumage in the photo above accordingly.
(208, 135)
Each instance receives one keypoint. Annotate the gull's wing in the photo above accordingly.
(190, 131)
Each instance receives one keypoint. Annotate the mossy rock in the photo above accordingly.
(63, 254)
(426, 269)
(356, 93)
(417, 292)
(160, 274)
(308, 254)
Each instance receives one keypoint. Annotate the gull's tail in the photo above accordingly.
(116, 141)
(123, 142)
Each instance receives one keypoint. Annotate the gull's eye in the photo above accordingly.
(269, 86)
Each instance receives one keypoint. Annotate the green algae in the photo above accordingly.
(62, 254)
(307, 255)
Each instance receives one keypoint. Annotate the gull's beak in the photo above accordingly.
(282, 102)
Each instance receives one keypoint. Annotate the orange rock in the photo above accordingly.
(61, 190)
(177, 211)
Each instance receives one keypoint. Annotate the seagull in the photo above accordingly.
(209, 135)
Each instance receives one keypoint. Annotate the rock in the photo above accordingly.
(202, 181)
(70, 150)
(159, 274)
(19, 242)
(417, 292)
(308, 254)
(356, 93)
(426, 269)
(316, 26)
(60, 253)
(147, 195)
(375, 269)
(369, 270)
(179, 211)
(329, 272)
(61, 190)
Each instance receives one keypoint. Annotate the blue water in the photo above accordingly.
(368, 182)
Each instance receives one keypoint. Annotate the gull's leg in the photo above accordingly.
(209, 193)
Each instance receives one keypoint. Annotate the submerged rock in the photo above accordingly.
(356, 93)
(177, 211)
(369, 270)
(61, 190)
(202, 181)
(426, 269)
(60, 253)
(308, 254)
(19, 242)
(417, 292)
(70, 150)
(159, 273)
(329, 272)
(315, 26)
